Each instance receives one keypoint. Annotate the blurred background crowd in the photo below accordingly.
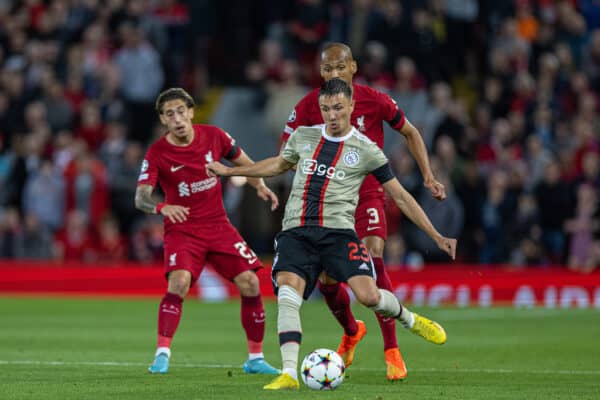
(505, 94)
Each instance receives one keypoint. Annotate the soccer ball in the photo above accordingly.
(322, 369)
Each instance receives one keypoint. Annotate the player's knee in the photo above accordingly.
(179, 286)
(376, 250)
(375, 245)
(369, 297)
(247, 283)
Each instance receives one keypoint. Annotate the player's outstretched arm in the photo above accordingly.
(417, 148)
(268, 167)
(415, 213)
(262, 190)
(145, 203)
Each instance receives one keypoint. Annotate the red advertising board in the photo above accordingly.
(458, 285)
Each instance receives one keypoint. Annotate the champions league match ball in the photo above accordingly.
(322, 369)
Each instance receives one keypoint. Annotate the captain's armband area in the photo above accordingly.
(383, 173)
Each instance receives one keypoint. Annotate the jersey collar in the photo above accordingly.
(336, 139)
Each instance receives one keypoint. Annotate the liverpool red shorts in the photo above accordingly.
(370, 218)
(221, 246)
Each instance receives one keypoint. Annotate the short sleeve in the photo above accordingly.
(289, 152)
(391, 113)
(378, 164)
(229, 148)
(149, 170)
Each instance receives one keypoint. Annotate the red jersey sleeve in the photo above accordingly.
(149, 170)
(391, 113)
(229, 148)
(306, 113)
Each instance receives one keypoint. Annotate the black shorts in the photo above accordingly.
(308, 250)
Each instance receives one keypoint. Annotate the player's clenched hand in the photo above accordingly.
(175, 213)
(447, 245)
(215, 168)
(438, 191)
(267, 195)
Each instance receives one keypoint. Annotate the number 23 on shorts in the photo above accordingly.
(358, 252)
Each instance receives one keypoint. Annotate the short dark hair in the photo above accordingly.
(332, 45)
(173, 94)
(335, 86)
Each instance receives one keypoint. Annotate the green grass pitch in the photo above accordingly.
(55, 348)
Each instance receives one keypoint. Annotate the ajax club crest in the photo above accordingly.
(351, 158)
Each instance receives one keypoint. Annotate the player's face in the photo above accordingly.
(177, 117)
(336, 111)
(336, 63)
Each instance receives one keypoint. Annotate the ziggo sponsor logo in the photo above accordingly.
(312, 167)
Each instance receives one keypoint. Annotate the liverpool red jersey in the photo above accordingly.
(181, 173)
(371, 108)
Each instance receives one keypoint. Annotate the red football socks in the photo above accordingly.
(253, 321)
(338, 301)
(169, 315)
(387, 325)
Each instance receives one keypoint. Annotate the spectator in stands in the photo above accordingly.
(495, 212)
(554, 199)
(283, 96)
(123, 184)
(110, 246)
(75, 241)
(91, 128)
(524, 233)
(583, 228)
(10, 230)
(147, 240)
(87, 189)
(308, 30)
(112, 148)
(448, 215)
(44, 196)
(537, 158)
(34, 241)
(142, 79)
(60, 111)
(373, 71)
(409, 91)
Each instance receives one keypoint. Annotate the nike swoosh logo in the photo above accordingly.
(371, 228)
(175, 169)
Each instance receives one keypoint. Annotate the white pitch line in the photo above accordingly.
(188, 365)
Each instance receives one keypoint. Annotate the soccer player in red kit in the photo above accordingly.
(371, 109)
(197, 229)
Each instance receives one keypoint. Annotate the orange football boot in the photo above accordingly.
(396, 369)
(348, 344)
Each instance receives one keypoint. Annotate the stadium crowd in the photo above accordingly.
(505, 94)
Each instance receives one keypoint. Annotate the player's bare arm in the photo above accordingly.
(146, 203)
(262, 190)
(415, 213)
(417, 148)
(268, 167)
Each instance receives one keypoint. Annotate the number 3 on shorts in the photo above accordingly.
(245, 251)
(373, 216)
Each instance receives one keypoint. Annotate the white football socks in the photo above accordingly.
(389, 306)
(164, 350)
(288, 321)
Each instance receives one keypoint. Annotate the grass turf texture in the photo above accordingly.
(76, 348)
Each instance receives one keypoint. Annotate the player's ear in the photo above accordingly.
(191, 112)
(353, 67)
